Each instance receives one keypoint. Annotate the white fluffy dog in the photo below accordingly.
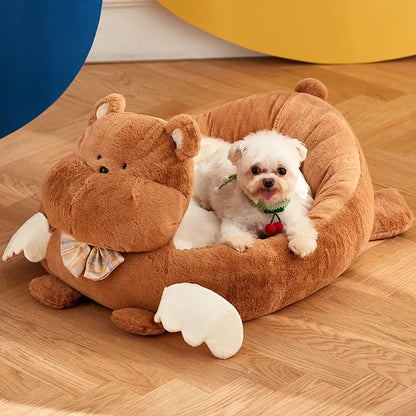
(256, 189)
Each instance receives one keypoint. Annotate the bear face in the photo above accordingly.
(128, 183)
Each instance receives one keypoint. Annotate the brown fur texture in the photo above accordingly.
(390, 214)
(137, 321)
(136, 210)
(53, 292)
(140, 202)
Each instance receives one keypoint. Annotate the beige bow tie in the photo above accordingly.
(96, 263)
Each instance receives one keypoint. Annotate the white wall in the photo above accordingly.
(134, 30)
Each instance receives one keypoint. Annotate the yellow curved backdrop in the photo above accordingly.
(320, 31)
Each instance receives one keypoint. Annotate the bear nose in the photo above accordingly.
(268, 182)
(103, 169)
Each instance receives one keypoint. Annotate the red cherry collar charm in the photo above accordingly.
(279, 227)
(272, 229)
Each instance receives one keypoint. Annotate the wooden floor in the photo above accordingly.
(348, 350)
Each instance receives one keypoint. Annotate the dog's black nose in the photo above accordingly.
(103, 169)
(268, 182)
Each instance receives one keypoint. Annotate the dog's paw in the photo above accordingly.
(240, 243)
(302, 247)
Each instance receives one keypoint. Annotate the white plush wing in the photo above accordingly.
(32, 238)
(202, 316)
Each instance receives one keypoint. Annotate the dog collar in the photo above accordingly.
(228, 180)
(267, 209)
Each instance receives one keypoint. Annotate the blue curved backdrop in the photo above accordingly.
(43, 45)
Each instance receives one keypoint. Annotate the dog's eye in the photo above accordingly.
(124, 165)
(99, 157)
(255, 170)
(281, 171)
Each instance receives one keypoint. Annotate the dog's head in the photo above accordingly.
(129, 181)
(267, 165)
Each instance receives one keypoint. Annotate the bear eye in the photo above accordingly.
(281, 171)
(255, 170)
(124, 165)
(99, 157)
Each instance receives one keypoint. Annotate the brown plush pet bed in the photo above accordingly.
(137, 207)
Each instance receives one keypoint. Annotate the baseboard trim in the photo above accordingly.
(115, 4)
(136, 30)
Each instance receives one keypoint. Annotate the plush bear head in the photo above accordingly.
(128, 183)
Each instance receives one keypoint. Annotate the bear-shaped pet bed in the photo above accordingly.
(122, 195)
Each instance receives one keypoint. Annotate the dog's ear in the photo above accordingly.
(113, 103)
(185, 134)
(300, 148)
(237, 150)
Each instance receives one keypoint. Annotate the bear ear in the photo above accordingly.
(185, 134)
(301, 149)
(312, 86)
(113, 103)
(237, 150)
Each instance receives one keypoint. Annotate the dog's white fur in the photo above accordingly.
(241, 223)
(199, 228)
